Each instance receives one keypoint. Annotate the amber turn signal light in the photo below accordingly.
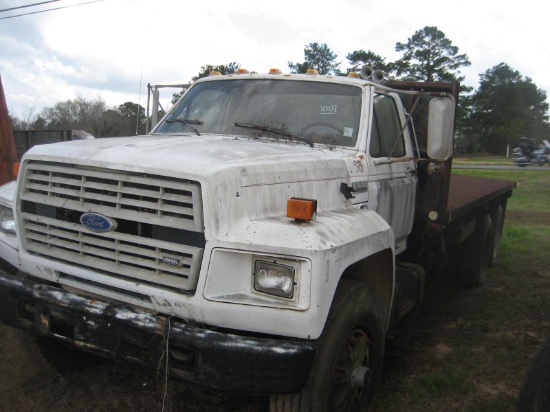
(301, 209)
(15, 170)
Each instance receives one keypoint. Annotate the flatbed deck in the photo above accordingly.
(467, 193)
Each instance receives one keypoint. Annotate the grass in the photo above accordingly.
(533, 187)
(473, 346)
(480, 159)
(470, 352)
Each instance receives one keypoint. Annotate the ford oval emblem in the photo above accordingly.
(97, 222)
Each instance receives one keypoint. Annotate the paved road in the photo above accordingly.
(497, 167)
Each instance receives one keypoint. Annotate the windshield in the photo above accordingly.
(313, 112)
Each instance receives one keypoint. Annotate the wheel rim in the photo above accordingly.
(351, 375)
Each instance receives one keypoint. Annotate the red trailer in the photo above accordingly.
(8, 156)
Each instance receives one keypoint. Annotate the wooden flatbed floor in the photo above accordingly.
(467, 193)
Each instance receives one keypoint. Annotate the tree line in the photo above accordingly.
(505, 107)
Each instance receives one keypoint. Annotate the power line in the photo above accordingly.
(44, 11)
(28, 5)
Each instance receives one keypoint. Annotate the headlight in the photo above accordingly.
(274, 279)
(7, 222)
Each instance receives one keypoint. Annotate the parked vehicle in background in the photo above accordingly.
(528, 154)
(268, 236)
(26, 139)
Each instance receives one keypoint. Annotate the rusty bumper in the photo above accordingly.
(216, 360)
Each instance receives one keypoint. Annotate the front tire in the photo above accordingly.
(46, 355)
(349, 357)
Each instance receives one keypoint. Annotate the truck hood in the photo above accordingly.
(241, 179)
(198, 157)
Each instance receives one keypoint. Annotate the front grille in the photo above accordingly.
(159, 237)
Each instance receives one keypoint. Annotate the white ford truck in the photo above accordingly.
(268, 235)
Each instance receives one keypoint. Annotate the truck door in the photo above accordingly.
(391, 168)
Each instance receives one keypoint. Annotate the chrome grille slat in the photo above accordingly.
(55, 190)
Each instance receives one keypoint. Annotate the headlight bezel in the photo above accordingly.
(230, 279)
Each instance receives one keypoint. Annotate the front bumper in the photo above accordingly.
(215, 360)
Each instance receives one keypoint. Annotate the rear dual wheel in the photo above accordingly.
(349, 357)
(497, 217)
(476, 252)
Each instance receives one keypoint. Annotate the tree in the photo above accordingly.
(30, 120)
(77, 114)
(127, 119)
(114, 124)
(360, 58)
(317, 56)
(229, 68)
(429, 56)
(506, 107)
(134, 115)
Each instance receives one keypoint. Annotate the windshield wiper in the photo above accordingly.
(275, 131)
(188, 123)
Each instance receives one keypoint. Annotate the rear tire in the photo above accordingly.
(349, 356)
(476, 253)
(497, 217)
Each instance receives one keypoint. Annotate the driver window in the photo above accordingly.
(386, 138)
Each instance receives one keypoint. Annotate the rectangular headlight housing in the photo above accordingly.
(274, 279)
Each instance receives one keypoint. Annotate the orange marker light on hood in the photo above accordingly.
(301, 209)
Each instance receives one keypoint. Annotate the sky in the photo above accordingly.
(112, 49)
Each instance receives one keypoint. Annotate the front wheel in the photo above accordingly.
(46, 355)
(348, 360)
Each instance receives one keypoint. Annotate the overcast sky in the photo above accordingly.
(113, 48)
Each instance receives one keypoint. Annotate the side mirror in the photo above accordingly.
(441, 128)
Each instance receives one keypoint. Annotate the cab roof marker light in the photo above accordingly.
(275, 71)
(243, 71)
(214, 73)
(303, 210)
(312, 72)
(354, 75)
